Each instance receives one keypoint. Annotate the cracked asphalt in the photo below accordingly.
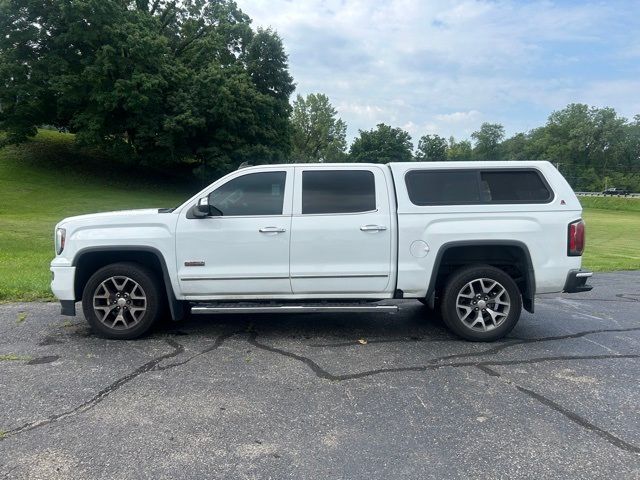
(300, 396)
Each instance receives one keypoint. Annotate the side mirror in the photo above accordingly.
(202, 209)
(203, 206)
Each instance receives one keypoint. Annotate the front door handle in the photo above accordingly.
(373, 228)
(272, 230)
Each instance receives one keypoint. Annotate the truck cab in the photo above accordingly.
(332, 237)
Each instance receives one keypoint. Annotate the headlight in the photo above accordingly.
(61, 235)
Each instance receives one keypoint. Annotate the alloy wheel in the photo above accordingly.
(483, 304)
(119, 302)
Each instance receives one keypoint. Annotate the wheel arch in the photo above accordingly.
(499, 253)
(88, 260)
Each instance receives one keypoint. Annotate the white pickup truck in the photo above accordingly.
(476, 239)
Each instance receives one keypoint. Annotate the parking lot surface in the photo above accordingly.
(327, 395)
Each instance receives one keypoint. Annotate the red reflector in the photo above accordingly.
(576, 238)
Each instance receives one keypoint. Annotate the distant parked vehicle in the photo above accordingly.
(615, 191)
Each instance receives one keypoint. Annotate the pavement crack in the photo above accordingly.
(487, 370)
(507, 343)
(574, 417)
(629, 296)
(621, 298)
(101, 395)
(317, 369)
(558, 358)
(414, 339)
(216, 344)
(432, 365)
(524, 341)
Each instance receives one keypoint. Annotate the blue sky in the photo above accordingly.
(447, 66)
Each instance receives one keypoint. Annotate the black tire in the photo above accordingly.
(150, 288)
(455, 286)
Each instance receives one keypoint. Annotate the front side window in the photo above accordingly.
(252, 194)
(338, 191)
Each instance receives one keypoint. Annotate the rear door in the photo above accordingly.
(340, 231)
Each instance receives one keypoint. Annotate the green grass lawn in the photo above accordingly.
(38, 188)
(613, 238)
(49, 178)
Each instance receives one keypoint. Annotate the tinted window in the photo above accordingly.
(251, 194)
(338, 191)
(432, 187)
(517, 186)
(468, 187)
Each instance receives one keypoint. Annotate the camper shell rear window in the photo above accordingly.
(477, 186)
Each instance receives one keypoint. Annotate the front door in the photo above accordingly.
(244, 251)
(341, 231)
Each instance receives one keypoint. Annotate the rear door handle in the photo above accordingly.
(373, 228)
(272, 230)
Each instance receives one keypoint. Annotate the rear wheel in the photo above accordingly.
(122, 301)
(481, 303)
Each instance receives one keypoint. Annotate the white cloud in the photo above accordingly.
(623, 93)
(432, 67)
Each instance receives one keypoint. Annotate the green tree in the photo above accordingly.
(160, 81)
(632, 152)
(431, 148)
(592, 147)
(488, 140)
(515, 148)
(568, 136)
(318, 134)
(459, 151)
(581, 139)
(383, 144)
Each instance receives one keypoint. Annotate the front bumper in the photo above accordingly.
(62, 286)
(577, 281)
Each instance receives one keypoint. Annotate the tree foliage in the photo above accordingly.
(488, 140)
(318, 134)
(593, 147)
(161, 80)
(383, 144)
(459, 151)
(170, 82)
(431, 148)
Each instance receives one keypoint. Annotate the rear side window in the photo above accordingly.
(338, 191)
(449, 187)
(518, 186)
(472, 187)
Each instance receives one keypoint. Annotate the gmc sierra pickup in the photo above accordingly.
(477, 240)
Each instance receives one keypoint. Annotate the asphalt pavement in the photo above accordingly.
(327, 395)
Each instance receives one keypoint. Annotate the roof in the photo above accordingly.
(450, 164)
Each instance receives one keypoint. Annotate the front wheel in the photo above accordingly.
(122, 301)
(481, 303)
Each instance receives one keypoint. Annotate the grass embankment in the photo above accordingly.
(613, 233)
(47, 179)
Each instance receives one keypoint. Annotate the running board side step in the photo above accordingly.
(293, 309)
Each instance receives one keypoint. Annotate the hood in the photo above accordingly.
(103, 215)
